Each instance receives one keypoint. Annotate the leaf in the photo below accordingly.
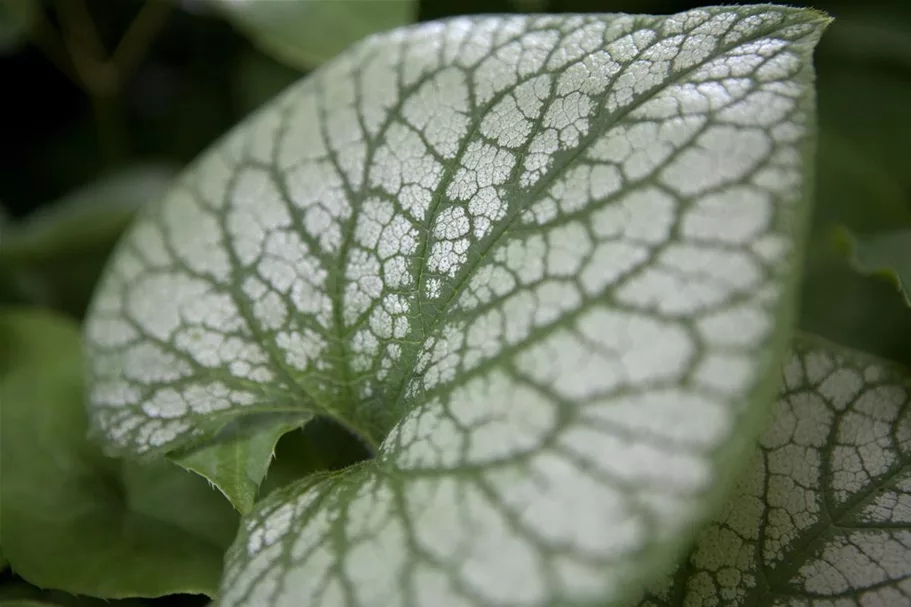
(236, 461)
(54, 256)
(305, 33)
(823, 514)
(162, 491)
(885, 254)
(543, 267)
(75, 520)
(97, 211)
(855, 192)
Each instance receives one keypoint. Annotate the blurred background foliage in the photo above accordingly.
(103, 102)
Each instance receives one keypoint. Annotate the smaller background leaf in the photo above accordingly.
(237, 459)
(162, 491)
(884, 254)
(823, 514)
(307, 33)
(53, 257)
(75, 520)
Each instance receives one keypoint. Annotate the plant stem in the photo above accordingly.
(139, 36)
(80, 53)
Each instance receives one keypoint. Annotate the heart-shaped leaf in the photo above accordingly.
(823, 514)
(543, 267)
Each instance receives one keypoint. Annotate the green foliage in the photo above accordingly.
(237, 458)
(20, 594)
(73, 519)
(54, 256)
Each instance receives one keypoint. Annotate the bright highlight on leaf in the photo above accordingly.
(823, 514)
(543, 267)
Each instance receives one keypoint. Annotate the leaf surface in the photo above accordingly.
(73, 519)
(543, 267)
(823, 514)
